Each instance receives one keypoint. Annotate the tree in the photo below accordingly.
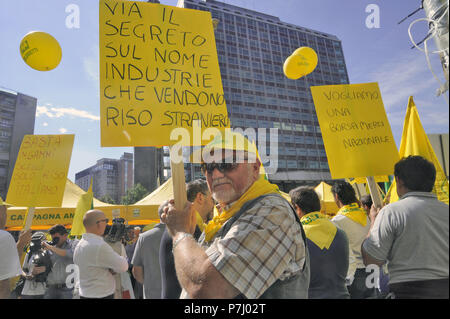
(134, 194)
(108, 199)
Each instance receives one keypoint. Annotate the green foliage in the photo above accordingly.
(134, 194)
(108, 199)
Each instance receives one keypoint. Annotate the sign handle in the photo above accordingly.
(29, 219)
(178, 177)
(376, 198)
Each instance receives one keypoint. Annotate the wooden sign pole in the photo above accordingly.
(29, 219)
(178, 178)
(376, 198)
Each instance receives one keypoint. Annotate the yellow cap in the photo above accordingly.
(228, 140)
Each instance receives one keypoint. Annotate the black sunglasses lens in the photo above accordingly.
(222, 167)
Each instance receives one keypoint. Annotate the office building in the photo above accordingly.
(111, 177)
(251, 48)
(17, 116)
(148, 167)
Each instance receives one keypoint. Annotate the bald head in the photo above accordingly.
(95, 222)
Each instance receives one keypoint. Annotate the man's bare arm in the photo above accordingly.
(196, 273)
(138, 274)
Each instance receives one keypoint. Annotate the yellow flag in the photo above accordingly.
(415, 142)
(84, 204)
(4, 203)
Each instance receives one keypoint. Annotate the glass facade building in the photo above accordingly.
(252, 48)
(17, 116)
(110, 177)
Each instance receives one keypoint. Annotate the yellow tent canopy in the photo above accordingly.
(45, 217)
(327, 203)
(145, 211)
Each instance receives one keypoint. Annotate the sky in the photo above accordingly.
(68, 100)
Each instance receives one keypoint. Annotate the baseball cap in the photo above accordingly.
(229, 141)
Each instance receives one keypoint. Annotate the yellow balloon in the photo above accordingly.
(215, 23)
(40, 51)
(309, 58)
(292, 68)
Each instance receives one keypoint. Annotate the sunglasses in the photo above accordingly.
(222, 167)
(102, 220)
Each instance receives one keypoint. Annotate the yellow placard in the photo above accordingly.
(158, 71)
(378, 179)
(356, 133)
(40, 172)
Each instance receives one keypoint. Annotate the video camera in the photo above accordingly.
(117, 231)
(40, 257)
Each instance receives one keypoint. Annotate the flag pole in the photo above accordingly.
(29, 218)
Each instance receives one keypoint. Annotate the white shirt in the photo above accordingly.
(95, 258)
(356, 233)
(9, 258)
(31, 287)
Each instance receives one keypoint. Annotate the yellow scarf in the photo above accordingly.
(200, 222)
(259, 188)
(354, 212)
(320, 230)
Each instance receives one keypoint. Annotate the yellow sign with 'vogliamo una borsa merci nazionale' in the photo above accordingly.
(356, 133)
(158, 71)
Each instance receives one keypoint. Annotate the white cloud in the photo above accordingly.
(45, 124)
(402, 77)
(57, 112)
(62, 130)
(90, 64)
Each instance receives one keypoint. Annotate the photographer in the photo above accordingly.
(36, 266)
(116, 236)
(61, 254)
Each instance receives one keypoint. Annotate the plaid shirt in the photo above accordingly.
(265, 244)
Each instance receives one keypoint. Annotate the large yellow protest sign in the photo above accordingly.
(158, 71)
(355, 130)
(40, 172)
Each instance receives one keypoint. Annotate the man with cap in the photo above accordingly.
(254, 247)
(61, 254)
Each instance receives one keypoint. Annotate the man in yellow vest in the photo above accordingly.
(327, 245)
(254, 247)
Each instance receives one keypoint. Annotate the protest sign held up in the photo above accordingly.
(40, 172)
(158, 71)
(355, 130)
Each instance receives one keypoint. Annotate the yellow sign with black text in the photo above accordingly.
(356, 133)
(158, 71)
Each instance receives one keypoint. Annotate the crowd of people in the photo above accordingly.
(238, 237)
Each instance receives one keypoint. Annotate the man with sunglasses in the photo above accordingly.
(96, 260)
(61, 254)
(254, 247)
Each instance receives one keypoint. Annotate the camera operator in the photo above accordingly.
(61, 253)
(96, 260)
(36, 266)
(117, 235)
